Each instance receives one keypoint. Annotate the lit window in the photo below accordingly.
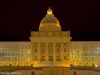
(50, 58)
(64, 50)
(65, 57)
(57, 58)
(43, 58)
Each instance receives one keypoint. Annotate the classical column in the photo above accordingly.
(54, 53)
(39, 51)
(62, 52)
(46, 49)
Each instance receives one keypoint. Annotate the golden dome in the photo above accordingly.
(49, 22)
(49, 18)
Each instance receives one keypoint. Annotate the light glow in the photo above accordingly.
(49, 12)
(35, 62)
(96, 65)
(28, 59)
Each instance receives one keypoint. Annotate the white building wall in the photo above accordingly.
(90, 52)
(80, 53)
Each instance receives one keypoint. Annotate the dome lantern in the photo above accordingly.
(49, 11)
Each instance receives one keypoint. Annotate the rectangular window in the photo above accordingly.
(57, 58)
(35, 57)
(35, 49)
(65, 57)
(43, 58)
(42, 46)
(50, 47)
(50, 58)
(64, 50)
(58, 47)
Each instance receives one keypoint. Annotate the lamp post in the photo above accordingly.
(74, 69)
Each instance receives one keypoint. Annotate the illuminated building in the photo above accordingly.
(50, 46)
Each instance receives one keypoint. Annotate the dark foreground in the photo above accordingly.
(26, 70)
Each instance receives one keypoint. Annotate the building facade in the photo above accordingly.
(50, 47)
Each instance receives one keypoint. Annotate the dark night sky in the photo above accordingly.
(19, 17)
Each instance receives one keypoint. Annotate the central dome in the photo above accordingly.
(49, 19)
(49, 22)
